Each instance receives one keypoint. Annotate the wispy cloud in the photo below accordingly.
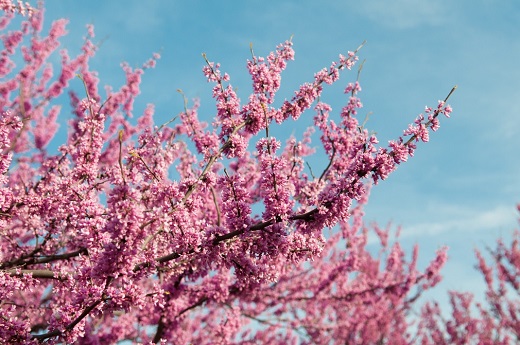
(461, 219)
(403, 14)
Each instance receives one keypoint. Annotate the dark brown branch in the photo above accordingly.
(26, 261)
(55, 333)
(160, 330)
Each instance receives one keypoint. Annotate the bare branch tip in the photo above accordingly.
(361, 45)
(452, 90)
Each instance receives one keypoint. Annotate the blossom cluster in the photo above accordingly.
(23, 8)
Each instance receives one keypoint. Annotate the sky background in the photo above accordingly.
(459, 190)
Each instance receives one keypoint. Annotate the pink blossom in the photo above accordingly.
(18, 7)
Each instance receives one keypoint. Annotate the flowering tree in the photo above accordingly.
(495, 322)
(182, 233)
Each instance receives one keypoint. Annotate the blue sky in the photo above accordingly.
(459, 190)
